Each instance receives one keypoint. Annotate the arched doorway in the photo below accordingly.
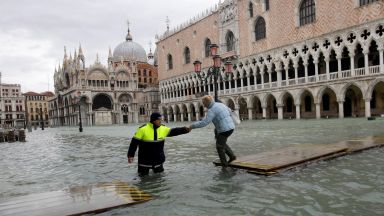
(257, 109)
(289, 111)
(271, 107)
(353, 102)
(243, 112)
(377, 100)
(328, 104)
(126, 112)
(307, 106)
(102, 108)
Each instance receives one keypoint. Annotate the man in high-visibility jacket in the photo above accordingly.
(150, 139)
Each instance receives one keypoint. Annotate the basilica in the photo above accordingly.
(123, 91)
(300, 59)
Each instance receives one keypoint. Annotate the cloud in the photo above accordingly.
(34, 33)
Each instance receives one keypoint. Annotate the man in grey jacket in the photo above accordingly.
(219, 114)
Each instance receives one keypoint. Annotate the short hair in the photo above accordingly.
(207, 99)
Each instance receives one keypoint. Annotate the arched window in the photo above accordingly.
(260, 28)
(250, 9)
(207, 47)
(307, 12)
(365, 2)
(170, 62)
(187, 55)
(266, 5)
(230, 39)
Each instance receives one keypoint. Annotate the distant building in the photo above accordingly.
(124, 91)
(11, 105)
(36, 108)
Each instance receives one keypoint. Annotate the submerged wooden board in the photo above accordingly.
(75, 201)
(272, 162)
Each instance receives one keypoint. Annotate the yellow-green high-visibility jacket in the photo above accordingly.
(150, 140)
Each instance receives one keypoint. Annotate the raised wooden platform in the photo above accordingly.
(275, 161)
(75, 201)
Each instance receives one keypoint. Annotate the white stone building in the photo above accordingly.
(123, 91)
(12, 107)
(300, 59)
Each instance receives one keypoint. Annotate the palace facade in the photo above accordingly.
(123, 91)
(300, 59)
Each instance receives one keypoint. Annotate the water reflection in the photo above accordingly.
(59, 158)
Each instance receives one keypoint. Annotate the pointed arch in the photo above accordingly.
(230, 41)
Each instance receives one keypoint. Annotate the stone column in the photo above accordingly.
(174, 117)
(230, 84)
(250, 113)
(318, 114)
(197, 115)
(270, 76)
(189, 116)
(316, 62)
(280, 111)
(381, 59)
(326, 59)
(248, 82)
(241, 83)
(341, 109)
(297, 111)
(262, 79)
(264, 112)
(366, 62)
(306, 70)
(368, 107)
(181, 116)
(286, 68)
(352, 58)
(296, 66)
(338, 57)
(236, 84)
(279, 77)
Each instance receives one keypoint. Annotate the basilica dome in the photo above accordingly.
(129, 50)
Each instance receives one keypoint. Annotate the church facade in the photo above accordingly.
(123, 91)
(300, 59)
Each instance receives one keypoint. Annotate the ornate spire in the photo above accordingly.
(167, 22)
(80, 51)
(65, 53)
(129, 36)
(110, 53)
(97, 58)
(150, 54)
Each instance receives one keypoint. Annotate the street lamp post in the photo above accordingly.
(41, 119)
(80, 124)
(213, 71)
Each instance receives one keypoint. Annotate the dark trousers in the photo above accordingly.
(222, 147)
(144, 170)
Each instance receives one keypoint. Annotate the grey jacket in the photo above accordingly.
(219, 114)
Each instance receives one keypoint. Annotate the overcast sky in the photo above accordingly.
(33, 33)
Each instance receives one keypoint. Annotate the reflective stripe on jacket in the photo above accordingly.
(151, 144)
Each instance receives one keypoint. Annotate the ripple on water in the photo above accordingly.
(58, 158)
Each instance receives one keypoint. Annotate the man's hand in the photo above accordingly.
(130, 159)
(188, 128)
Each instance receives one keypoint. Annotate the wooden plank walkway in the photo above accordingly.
(275, 161)
(75, 201)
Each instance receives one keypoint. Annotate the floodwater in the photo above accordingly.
(59, 158)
